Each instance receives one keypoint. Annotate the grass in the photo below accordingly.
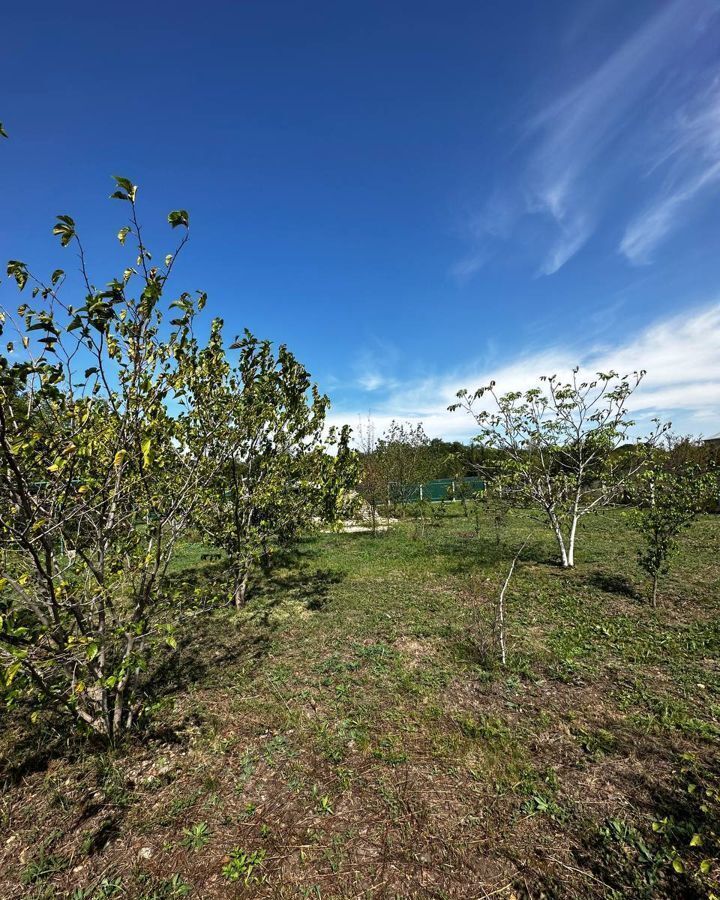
(351, 733)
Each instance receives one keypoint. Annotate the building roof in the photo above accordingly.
(713, 437)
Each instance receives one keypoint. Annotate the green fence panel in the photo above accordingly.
(436, 490)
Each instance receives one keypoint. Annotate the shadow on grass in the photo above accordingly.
(212, 646)
(467, 551)
(307, 587)
(30, 749)
(614, 584)
(636, 860)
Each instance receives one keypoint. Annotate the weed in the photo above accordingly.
(390, 750)
(538, 805)
(42, 866)
(243, 864)
(196, 837)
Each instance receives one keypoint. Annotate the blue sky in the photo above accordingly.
(414, 196)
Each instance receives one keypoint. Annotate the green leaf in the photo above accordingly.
(696, 840)
(123, 233)
(119, 457)
(18, 271)
(124, 183)
(179, 217)
(128, 189)
(146, 447)
(65, 229)
(56, 276)
(3, 133)
(677, 864)
(11, 672)
(705, 866)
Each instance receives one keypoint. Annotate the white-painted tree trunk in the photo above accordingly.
(573, 529)
(560, 540)
(571, 543)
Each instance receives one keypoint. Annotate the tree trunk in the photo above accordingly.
(573, 528)
(500, 610)
(655, 591)
(240, 587)
(571, 543)
(566, 563)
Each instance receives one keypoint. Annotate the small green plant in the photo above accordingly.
(108, 887)
(390, 751)
(177, 886)
(154, 888)
(537, 805)
(43, 866)
(196, 837)
(242, 865)
(438, 512)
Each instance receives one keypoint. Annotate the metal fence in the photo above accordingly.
(436, 490)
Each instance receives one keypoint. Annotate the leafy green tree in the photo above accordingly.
(403, 454)
(278, 473)
(95, 482)
(681, 451)
(372, 480)
(452, 459)
(668, 500)
(561, 448)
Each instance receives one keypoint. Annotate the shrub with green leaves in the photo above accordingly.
(668, 499)
(96, 484)
(282, 471)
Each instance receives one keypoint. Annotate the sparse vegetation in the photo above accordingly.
(362, 740)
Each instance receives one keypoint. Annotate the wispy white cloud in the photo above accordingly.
(371, 380)
(574, 230)
(681, 355)
(373, 366)
(496, 220)
(692, 158)
(585, 141)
